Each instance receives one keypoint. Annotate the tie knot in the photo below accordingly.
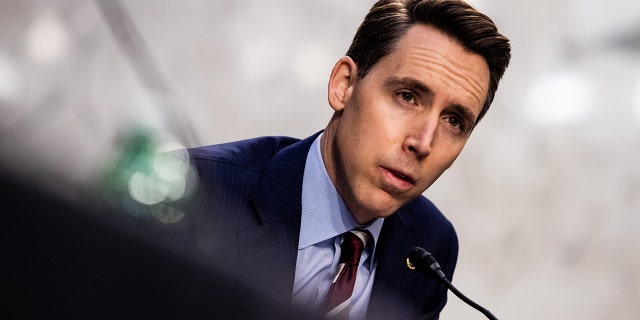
(353, 242)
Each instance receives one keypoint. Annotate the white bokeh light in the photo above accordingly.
(559, 98)
(48, 39)
(147, 189)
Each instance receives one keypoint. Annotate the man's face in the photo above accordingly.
(396, 130)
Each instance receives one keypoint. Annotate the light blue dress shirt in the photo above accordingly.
(324, 218)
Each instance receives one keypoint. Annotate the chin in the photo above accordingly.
(380, 208)
(375, 203)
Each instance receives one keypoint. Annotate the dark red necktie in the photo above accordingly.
(339, 296)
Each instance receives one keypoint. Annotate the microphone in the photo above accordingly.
(421, 260)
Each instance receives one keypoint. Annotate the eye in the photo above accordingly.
(406, 97)
(455, 122)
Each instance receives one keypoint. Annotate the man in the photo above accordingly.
(416, 80)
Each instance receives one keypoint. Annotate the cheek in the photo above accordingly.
(368, 128)
(358, 129)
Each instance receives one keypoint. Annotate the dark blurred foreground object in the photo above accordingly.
(72, 261)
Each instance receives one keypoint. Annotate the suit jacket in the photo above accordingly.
(247, 212)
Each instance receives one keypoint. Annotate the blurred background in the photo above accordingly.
(545, 197)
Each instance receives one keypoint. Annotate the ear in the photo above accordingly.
(343, 78)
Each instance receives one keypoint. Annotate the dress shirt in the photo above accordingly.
(324, 218)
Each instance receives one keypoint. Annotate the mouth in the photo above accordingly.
(401, 175)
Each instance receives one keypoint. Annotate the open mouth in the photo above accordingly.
(401, 176)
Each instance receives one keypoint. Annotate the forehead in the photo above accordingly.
(427, 54)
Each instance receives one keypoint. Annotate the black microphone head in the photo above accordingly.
(420, 258)
(423, 261)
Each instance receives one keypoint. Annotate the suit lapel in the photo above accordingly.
(273, 241)
(393, 279)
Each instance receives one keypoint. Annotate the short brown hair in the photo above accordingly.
(388, 21)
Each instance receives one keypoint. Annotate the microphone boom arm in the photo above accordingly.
(468, 301)
(421, 260)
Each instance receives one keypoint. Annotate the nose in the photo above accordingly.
(420, 138)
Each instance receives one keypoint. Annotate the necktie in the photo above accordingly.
(339, 296)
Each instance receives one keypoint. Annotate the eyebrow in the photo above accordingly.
(408, 82)
(466, 113)
(418, 86)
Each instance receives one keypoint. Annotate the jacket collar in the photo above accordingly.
(278, 193)
(273, 242)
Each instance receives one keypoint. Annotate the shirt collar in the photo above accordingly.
(324, 214)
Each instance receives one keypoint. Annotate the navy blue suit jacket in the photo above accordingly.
(246, 214)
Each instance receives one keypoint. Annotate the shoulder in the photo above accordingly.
(250, 154)
(402, 292)
(421, 223)
(431, 229)
(423, 211)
